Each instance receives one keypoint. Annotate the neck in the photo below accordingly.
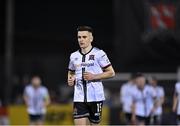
(86, 50)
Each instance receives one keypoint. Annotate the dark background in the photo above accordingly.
(44, 35)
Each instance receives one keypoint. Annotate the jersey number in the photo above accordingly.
(99, 107)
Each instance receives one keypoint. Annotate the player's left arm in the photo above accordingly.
(47, 99)
(107, 73)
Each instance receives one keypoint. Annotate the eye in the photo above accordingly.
(84, 37)
(79, 37)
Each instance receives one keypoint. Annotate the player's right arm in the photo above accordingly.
(71, 72)
(25, 97)
(71, 78)
(175, 99)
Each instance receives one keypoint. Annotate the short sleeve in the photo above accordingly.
(46, 93)
(71, 64)
(103, 60)
(162, 92)
(25, 91)
(154, 94)
(176, 89)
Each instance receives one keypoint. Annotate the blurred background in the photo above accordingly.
(37, 37)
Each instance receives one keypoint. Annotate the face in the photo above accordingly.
(85, 39)
(140, 81)
(152, 82)
(36, 81)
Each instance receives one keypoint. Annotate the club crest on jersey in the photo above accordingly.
(91, 57)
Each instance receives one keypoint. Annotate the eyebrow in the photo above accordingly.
(83, 36)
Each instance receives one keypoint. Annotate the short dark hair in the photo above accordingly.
(138, 74)
(85, 28)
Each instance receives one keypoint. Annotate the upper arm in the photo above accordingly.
(103, 60)
(71, 66)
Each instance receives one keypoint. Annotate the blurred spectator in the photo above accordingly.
(176, 102)
(143, 101)
(36, 98)
(157, 110)
(126, 98)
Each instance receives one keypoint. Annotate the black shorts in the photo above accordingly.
(34, 118)
(128, 117)
(91, 110)
(146, 120)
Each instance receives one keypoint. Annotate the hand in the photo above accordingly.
(174, 109)
(153, 110)
(88, 76)
(71, 81)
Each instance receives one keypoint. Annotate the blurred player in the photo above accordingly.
(36, 98)
(126, 98)
(87, 67)
(143, 101)
(176, 102)
(157, 110)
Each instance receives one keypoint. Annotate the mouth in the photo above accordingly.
(81, 43)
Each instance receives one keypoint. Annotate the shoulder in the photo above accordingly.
(74, 53)
(97, 50)
(149, 87)
(28, 87)
(177, 84)
(43, 88)
(160, 88)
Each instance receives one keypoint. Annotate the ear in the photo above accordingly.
(91, 38)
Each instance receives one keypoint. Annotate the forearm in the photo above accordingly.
(26, 100)
(108, 73)
(174, 103)
(47, 102)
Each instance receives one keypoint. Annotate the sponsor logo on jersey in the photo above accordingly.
(91, 57)
(87, 64)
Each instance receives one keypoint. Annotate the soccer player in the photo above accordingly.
(87, 67)
(143, 101)
(36, 98)
(126, 98)
(176, 102)
(157, 110)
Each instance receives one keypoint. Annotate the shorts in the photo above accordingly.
(128, 118)
(146, 120)
(34, 118)
(91, 110)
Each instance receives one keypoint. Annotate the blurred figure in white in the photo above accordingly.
(36, 98)
(176, 102)
(126, 98)
(143, 101)
(157, 110)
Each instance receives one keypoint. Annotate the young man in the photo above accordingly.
(157, 110)
(87, 67)
(143, 101)
(126, 98)
(36, 98)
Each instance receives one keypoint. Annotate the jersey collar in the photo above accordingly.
(87, 52)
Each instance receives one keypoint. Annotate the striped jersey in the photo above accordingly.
(144, 100)
(94, 62)
(177, 91)
(126, 98)
(36, 98)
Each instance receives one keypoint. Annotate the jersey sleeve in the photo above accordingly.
(71, 66)
(25, 91)
(176, 89)
(162, 92)
(103, 60)
(46, 93)
(153, 92)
